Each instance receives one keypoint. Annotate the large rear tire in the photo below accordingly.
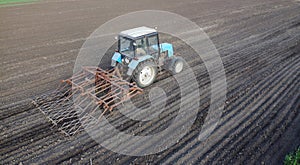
(145, 73)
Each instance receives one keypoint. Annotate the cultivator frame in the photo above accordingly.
(85, 97)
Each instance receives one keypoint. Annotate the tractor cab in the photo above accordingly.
(140, 56)
(138, 42)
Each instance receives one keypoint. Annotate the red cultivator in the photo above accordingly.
(86, 96)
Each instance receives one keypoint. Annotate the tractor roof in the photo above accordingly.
(137, 32)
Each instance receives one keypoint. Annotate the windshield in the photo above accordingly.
(126, 46)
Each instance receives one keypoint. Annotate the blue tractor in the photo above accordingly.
(140, 56)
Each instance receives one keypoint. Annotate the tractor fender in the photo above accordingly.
(135, 62)
(117, 57)
(167, 47)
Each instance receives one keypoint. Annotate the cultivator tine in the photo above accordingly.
(82, 100)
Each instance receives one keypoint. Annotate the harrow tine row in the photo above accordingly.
(82, 100)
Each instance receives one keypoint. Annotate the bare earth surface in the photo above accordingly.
(259, 43)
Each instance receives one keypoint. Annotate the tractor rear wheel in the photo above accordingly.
(145, 73)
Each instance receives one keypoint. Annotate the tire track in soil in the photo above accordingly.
(279, 144)
(14, 109)
(223, 126)
(250, 131)
(241, 147)
(274, 132)
(236, 104)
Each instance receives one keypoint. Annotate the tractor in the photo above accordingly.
(140, 56)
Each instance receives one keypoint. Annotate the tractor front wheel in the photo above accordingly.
(176, 65)
(145, 73)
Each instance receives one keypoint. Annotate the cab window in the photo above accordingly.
(141, 47)
(126, 47)
(153, 45)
